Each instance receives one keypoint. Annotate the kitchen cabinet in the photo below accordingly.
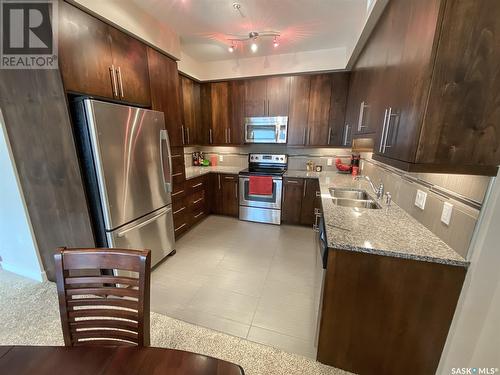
(311, 203)
(298, 109)
(165, 93)
(237, 115)
(293, 192)
(385, 315)
(425, 90)
(317, 110)
(114, 64)
(220, 121)
(190, 99)
(267, 96)
(224, 194)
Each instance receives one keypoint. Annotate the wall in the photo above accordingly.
(18, 252)
(474, 337)
(300, 62)
(465, 193)
(130, 18)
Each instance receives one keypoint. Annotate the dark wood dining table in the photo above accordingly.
(106, 360)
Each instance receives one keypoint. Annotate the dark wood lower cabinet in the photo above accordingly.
(300, 201)
(311, 202)
(386, 315)
(229, 195)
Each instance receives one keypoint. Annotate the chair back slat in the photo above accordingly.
(104, 309)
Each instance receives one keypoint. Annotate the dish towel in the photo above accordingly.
(260, 185)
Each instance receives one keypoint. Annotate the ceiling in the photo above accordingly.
(204, 26)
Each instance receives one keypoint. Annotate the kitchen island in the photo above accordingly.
(390, 286)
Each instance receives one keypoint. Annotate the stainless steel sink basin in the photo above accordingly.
(357, 203)
(349, 194)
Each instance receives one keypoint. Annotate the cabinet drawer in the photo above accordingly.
(293, 181)
(178, 163)
(179, 208)
(197, 215)
(181, 224)
(179, 193)
(196, 200)
(196, 184)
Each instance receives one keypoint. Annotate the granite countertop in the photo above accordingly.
(389, 231)
(192, 172)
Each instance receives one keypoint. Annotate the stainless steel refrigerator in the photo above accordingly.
(127, 167)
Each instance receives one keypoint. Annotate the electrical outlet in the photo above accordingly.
(420, 199)
(446, 213)
(329, 161)
(221, 157)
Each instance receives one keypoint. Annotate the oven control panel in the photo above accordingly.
(268, 158)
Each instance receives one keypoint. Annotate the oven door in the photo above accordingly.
(262, 201)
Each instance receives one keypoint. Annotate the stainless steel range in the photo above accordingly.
(262, 208)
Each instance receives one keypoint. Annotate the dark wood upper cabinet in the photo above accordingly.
(337, 134)
(255, 97)
(425, 87)
(190, 98)
(298, 109)
(165, 93)
(130, 61)
(88, 72)
(462, 122)
(237, 106)
(221, 128)
(278, 96)
(97, 59)
(319, 110)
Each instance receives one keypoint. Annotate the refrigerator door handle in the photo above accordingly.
(166, 182)
(144, 223)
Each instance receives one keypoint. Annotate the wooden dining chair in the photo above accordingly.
(104, 309)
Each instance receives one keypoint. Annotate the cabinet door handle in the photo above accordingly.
(304, 138)
(381, 147)
(120, 81)
(113, 80)
(179, 210)
(268, 107)
(309, 136)
(219, 180)
(197, 201)
(180, 227)
(304, 190)
(229, 134)
(196, 185)
(329, 135)
(179, 192)
(183, 136)
(346, 135)
(187, 134)
(197, 216)
(362, 107)
(236, 191)
(210, 136)
(388, 126)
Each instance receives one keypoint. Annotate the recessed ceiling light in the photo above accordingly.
(231, 48)
(275, 42)
(254, 47)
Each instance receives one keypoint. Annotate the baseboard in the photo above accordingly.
(34, 275)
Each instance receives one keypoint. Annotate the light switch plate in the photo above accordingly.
(329, 161)
(446, 213)
(221, 157)
(420, 199)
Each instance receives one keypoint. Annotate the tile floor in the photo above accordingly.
(256, 281)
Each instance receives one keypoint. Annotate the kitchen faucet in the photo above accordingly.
(379, 191)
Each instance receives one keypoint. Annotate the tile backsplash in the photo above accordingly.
(465, 193)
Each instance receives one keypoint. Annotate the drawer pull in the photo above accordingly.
(176, 156)
(179, 192)
(180, 227)
(198, 200)
(228, 178)
(179, 210)
(197, 216)
(177, 174)
(195, 186)
(292, 182)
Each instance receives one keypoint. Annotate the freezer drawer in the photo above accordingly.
(154, 232)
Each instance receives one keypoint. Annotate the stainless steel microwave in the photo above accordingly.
(266, 129)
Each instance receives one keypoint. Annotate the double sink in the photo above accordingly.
(353, 198)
